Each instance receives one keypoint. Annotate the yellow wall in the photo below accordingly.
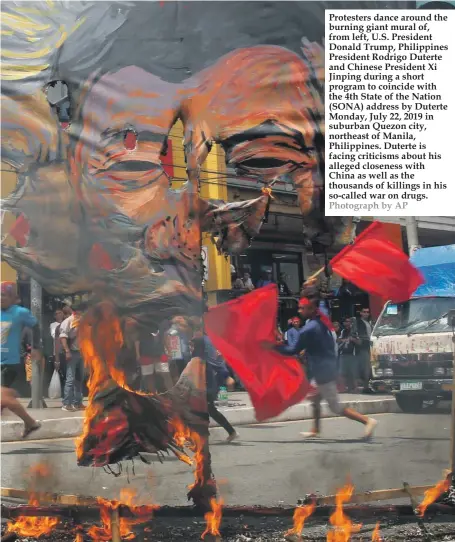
(178, 155)
(8, 183)
(213, 186)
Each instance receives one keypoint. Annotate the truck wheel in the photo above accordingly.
(409, 403)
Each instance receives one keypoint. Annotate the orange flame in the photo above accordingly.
(142, 514)
(100, 340)
(33, 526)
(185, 437)
(432, 494)
(376, 534)
(213, 518)
(79, 537)
(301, 514)
(343, 526)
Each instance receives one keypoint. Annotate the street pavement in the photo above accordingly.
(57, 423)
(270, 464)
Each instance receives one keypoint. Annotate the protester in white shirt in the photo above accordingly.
(72, 393)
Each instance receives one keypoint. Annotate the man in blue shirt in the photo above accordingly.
(317, 341)
(14, 319)
(293, 333)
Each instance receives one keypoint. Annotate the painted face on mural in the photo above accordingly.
(120, 226)
(126, 118)
(258, 104)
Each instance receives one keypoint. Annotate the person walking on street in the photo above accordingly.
(216, 372)
(319, 345)
(363, 330)
(72, 392)
(14, 319)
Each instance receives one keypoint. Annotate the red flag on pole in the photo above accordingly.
(376, 265)
(240, 330)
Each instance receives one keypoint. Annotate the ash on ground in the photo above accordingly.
(268, 529)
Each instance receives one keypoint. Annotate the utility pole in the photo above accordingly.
(412, 235)
(36, 302)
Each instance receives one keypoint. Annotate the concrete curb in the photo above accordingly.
(72, 426)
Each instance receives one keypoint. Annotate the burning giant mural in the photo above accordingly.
(90, 92)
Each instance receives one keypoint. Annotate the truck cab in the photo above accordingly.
(412, 343)
(412, 351)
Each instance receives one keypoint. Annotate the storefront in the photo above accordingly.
(261, 262)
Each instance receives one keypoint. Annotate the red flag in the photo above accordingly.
(240, 329)
(375, 264)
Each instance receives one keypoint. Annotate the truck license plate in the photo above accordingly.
(410, 386)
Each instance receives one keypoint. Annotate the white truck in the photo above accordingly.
(412, 344)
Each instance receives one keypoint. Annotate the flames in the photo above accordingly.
(343, 528)
(100, 340)
(184, 437)
(213, 518)
(342, 525)
(34, 526)
(98, 368)
(376, 534)
(301, 513)
(432, 494)
(127, 497)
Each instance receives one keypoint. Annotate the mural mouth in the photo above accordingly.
(126, 166)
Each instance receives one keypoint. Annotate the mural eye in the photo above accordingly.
(263, 163)
(130, 140)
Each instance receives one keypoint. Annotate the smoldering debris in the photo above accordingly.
(263, 529)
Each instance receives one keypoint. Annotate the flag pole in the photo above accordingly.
(36, 301)
(343, 251)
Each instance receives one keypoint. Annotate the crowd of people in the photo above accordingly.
(336, 356)
(160, 357)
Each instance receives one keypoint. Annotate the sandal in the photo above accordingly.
(28, 430)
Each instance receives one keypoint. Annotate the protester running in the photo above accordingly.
(14, 319)
(317, 340)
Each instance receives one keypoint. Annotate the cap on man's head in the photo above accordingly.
(304, 302)
(9, 288)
